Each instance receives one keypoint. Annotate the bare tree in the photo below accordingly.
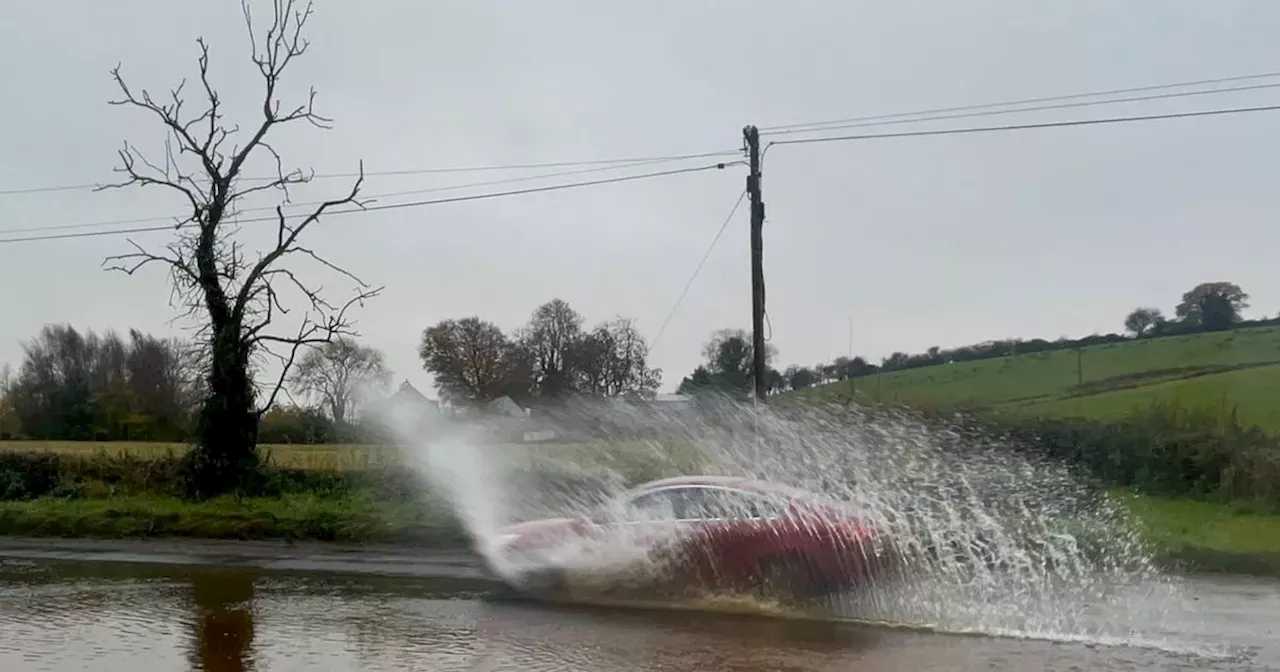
(612, 360)
(549, 338)
(235, 293)
(335, 372)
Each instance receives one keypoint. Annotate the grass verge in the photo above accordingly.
(1192, 535)
(291, 517)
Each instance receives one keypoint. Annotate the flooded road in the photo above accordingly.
(64, 616)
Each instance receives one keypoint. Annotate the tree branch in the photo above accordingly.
(310, 333)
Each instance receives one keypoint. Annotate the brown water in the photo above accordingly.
(59, 617)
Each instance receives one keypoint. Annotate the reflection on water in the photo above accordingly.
(116, 618)
(222, 624)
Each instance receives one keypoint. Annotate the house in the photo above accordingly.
(410, 408)
(505, 406)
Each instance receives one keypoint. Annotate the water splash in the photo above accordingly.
(1003, 542)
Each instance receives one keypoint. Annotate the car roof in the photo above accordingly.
(738, 482)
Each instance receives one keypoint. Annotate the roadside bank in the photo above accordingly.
(350, 518)
(396, 560)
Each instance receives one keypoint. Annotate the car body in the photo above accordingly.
(713, 533)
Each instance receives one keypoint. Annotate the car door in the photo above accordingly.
(731, 530)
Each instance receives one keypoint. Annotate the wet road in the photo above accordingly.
(59, 616)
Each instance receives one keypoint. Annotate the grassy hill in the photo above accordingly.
(1234, 369)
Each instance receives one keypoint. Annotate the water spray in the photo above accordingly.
(997, 539)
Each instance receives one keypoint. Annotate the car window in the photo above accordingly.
(654, 506)
(721, 504)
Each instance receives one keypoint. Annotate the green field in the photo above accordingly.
(324, 457)
(633, 460)
(1230, 370)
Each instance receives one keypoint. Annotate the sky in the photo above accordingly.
(915, 242)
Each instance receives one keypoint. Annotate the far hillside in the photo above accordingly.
(1238, 368)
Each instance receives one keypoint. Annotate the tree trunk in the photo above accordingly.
(225, 455)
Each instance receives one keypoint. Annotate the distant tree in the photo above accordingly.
(861, 367)
(473, 361)
(774, 381)
(800, 377)
(699, 381)
(164, 381)
(612, 361)
(549, 339)
(289, 423)
(335, 373)
(729, 365)
(8, 419)
(897, 360)
(1142, 320)
(729, 356)
(842, 368)
(1213, 306)
(75, 386)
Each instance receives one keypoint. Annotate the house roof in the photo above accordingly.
(505, 403)
(408, 392)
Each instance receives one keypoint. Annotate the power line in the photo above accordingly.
(428, 171)
(1038, 108)
(1024, 101)
(698, 269)
(1024, 127)
(394, 206)
(452, 187)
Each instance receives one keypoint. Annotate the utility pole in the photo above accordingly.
(751, 136)
(853, 370)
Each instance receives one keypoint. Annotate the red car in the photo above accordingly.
(704, 532)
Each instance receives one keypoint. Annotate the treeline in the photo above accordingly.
(85, 386)
(728, 367)
(1209, 306)
(554, 356)
(76, 386)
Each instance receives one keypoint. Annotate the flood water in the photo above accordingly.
(59, 617)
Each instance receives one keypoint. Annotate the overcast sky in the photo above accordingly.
(925, 241)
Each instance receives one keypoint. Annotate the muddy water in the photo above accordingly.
(59, 617)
